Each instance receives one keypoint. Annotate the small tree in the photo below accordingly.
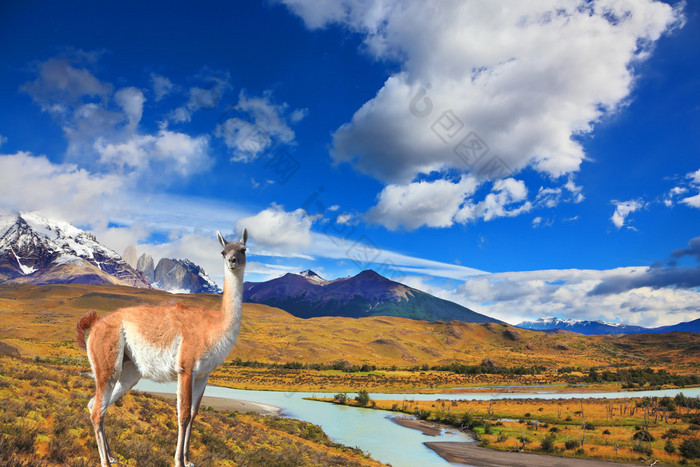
(362, 397)
(340, 398)
(669, 447)
(690, 448)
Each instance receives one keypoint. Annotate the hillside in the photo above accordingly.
(307, 295)
(40, 320)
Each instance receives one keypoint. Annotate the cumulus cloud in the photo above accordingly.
(526, 78)
(278, 231)
(411, 206)
(33, 183)
(256, 124)
(102, 125)
(516, 296)
(508, 198)
(168, 150)
(622, 211)
(442, 203)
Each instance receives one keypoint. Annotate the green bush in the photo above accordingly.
(362, 397)
(570, 444)
(669, 447)
(547, 444)
(690, 448)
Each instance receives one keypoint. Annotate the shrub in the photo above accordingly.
(669, 447)
(362, 397)
(422, 414)
(570, 443)
(547, 444)
(643, 435)
(554, 429)
(340, 398)
(502, 437)
(690, 448)
(641, 448)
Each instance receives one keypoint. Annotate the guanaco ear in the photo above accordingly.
(244, 238)
(221, 238)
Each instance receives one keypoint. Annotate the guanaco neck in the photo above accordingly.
(231, 301)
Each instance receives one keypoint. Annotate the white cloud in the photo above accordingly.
(60, 84)
(170, 151)
(516, 296)
(274, 230)
(33, 183)
(131, 101)
(623, 209)
(162, 86)
(507, 199)
(102, 126)
(526, 77)
(694, 182)
(433, 204)
(256, 124)
(207, 97)
(442, 203)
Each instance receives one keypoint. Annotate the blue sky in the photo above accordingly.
(525, 161)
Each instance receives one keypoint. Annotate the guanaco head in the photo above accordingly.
(233, 252)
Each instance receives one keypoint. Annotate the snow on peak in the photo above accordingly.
(312, 276)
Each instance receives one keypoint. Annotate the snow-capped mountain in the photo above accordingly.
(183, 276)
(37, 250)
(604, 327)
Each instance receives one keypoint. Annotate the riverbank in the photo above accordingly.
(224, 403)
(644, 429)
(474, 455)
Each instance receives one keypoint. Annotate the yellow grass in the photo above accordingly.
(44, 421)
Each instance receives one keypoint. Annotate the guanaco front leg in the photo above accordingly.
(199, 385)
(184, 414)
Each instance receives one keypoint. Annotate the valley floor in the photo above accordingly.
(553, 432)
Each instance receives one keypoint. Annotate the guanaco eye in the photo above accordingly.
(243, 250)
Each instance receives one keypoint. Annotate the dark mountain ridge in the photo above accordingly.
(308, 295)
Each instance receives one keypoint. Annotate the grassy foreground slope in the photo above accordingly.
(40, 320)
(44, 421)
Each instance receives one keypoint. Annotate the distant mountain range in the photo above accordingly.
(308, 295)
(603, 327)
(36, 250)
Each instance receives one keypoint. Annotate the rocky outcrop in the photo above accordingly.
(146, 266)
(181, 275)
(130, 256)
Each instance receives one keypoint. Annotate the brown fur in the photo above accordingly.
(202, 338)
(85, 323)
